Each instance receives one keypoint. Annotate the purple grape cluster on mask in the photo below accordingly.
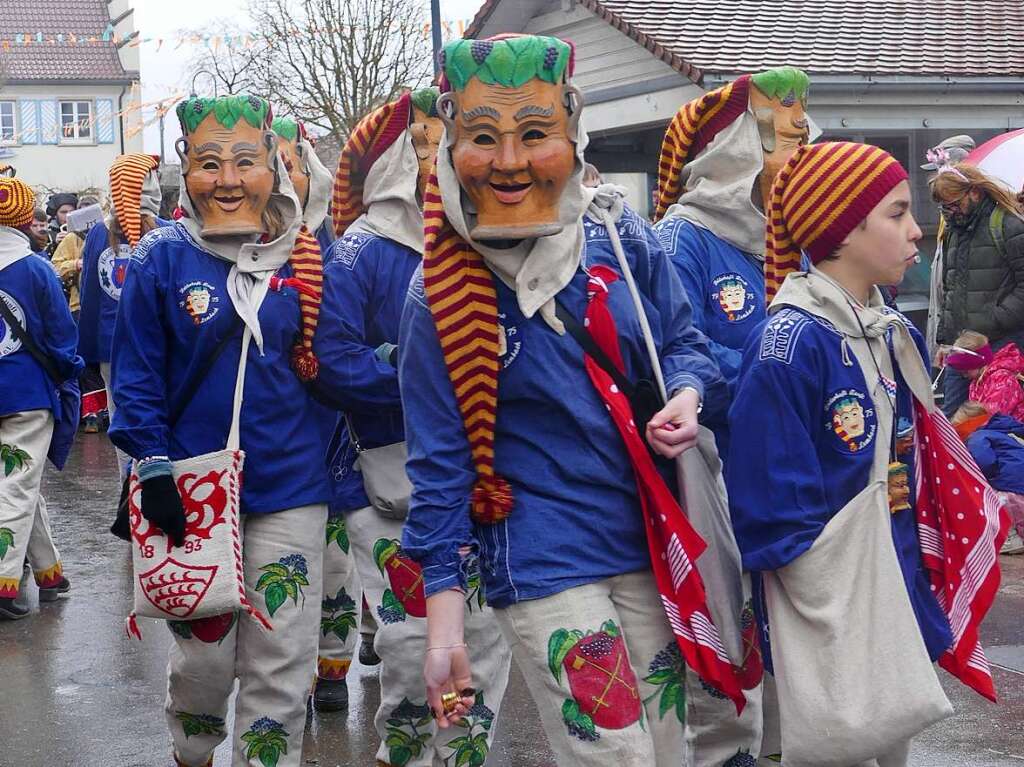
(481, 49)
(550, 57)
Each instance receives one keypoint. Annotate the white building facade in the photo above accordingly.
(69, 92)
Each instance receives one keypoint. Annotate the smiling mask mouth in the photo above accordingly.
(510, 194)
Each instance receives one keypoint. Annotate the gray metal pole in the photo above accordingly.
(435, 31)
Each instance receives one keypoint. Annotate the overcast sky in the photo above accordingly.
(164, 70)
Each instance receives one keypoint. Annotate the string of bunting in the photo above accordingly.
(159, 106)
(133, 40)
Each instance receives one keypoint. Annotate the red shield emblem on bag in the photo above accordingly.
(204, 499)
(175, 588)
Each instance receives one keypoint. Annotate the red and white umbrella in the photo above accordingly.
(1003, 158)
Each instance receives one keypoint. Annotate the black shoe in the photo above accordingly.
(53, 593)
(367, 655)
(11, 610)
(330, 695)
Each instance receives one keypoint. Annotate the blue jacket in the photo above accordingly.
(32, 290)
(726, 290)
(576, 517)
(174, 311)
(103, 273)
(365, 281)
(998, 447)
(725, 287)
(792, 463)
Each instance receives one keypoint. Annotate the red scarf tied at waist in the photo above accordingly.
(673, 543)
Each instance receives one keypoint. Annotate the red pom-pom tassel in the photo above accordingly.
(305, 363)
(491, 501)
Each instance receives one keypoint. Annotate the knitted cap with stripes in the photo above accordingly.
(370, 139)
(459, 287)
(17, 203)
(127, 175)
(820, 195)
(695, 126)
(697, 123)
(307, 266)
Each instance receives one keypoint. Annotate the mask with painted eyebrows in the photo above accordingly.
(778, 98)
(226, 151)
(511, 133)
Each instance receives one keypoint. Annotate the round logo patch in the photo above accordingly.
(199, 300)
(112, 269)
(9, 343)
(509, 342)
(733, 296)
(850, 420)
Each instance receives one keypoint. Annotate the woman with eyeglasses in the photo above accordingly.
(982, 279)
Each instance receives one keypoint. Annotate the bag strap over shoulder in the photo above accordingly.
(193, 385)
(236, 410)
(22, 335)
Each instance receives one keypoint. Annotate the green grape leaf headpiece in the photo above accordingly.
(787, 84)
(507, 60)
(425, 100)
(227, 111)
(285, 128)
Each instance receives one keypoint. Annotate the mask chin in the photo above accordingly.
(529, 232)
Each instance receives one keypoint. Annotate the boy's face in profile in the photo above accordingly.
(884, 245)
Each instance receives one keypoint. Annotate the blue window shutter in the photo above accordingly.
(29, 121)
(104, 121)
(49, 125)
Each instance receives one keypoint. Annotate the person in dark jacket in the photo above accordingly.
(982, 280)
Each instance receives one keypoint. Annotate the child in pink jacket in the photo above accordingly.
(997, 378)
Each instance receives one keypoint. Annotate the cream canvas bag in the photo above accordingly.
(204, 576)
(853, 675)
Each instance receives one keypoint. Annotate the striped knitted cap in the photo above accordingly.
(127, 175)
(17, 203)
(694, 127)
(370, 139)
(821, 194)
(697, 123)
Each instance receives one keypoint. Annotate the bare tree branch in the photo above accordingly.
(329, 62)
(232, 65)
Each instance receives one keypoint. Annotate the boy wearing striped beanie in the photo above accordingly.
(377, 209)
(833, 423)
(524, 450)
(32, 297)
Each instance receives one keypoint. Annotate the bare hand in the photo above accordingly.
(673, 429)
(447, 670)
(940, 356)
(61, 235)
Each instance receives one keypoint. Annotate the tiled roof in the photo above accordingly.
(59, 61)
(956, 38)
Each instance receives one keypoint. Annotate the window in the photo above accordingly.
(8, 128)
(75, 122)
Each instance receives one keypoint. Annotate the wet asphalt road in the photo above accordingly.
(74, 692)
